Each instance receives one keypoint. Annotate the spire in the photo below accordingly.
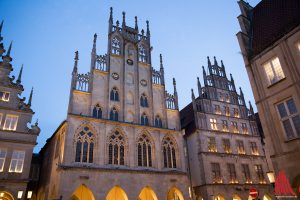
(30, 97)
(193, 95)
(9, 49)
(174, 85)
(199, 86)
(20, 75)
(136, 23)
(123, 22)
(162, 71)
(175, 94)
(93, 54)
(208, 61)
(242, 96)
(1, 25)
(251, 109)
(110, 21)
(94, 42)
(215, 61)
(148, 30)
(2, 50)
(232, 82)
(223, 67)
(204, 76)
(76, 62)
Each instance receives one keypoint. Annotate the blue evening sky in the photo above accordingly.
(46, 33)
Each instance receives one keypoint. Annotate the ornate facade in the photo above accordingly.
(225, 153)
(122, 137)
(16, 139)
(270, 43)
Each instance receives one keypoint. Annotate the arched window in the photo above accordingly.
(169, 153)
(144, 100)
(116, 149)
(97, 112)
(84, 145)
(142, 54)
(113, 115)
(158, 122)
(144, 149)
(144, 119)
(114, 94)
(116, 46)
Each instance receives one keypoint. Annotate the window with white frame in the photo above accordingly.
(273, 71)
(4, 96)
(213, 124)
(289, 117)
(11, 122)
(17, 161)
(2, 159)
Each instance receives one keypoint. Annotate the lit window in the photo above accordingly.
(232, 173)
(221, 96)
(240, 147)
(20, 194)
(236, 112)
(212, 146)
(254, 149)
(273, 71)
(225, 126)
(227, 99)
(260, 174)
(298, 46)
(217, 110)
(213, 124)
(2, 159)
(10, 122)
(246, 172)
(116, 46)
(226, 146)
(226, 110)
(234, 126)
(17, 161)
(4, 96)
(289, 117)
(29, 194)
(216, 173)
(244, 128)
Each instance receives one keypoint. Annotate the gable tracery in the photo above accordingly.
(145, 150)
(117, 147)
(170, 152)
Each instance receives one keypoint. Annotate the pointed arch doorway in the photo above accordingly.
(116, 193)
(6, 196)
(82, 193)
(147, 194)
(174, 194)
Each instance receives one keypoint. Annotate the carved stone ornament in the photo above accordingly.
(129, 62)
(115, 76)
(143, 82)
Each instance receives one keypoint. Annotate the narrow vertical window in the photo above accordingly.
(246, 172)
(212, 146)
(254, 149)
(2, 159)
(225, 126)
(114, 94)
(97, 112)
(213, 124)
(158, 122)
(116, 46)
(144, 100)
(240, 147)
(113, 115)
(226, 146)
(17, 162)
(144, 151)
(232, 173)
(142, 54)
(260, 173)
(273, 71)
(169, 153)
(144, 119)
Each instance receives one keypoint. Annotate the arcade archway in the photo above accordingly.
(6, 196)
(147, 194)
(82, 193)
(236, 197)
(219, 197)
(116, 193)
(174, 194)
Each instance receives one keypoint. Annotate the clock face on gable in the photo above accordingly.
(143, 82)
(115, 75)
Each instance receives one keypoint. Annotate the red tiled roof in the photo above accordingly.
(271, 20)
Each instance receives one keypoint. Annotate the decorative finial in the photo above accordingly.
(222, 64)
(232, 82)
(111, 15)
(123, 22)
(76, 62)
(1, 25)
(37, 122)
(95, 38)
(193, 95)
(208, 61)
(199, 86)
(136, 23)
(148, 30)
(20, 75)
(9, 49)
(204, 76)
(117, 23)
(174, 82)
(251, 108)
(143, 32)
(215, 61)
(161, 61)
(30, 97)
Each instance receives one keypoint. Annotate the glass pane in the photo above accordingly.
(291, 106)
(84, 153)
(78, 152)
(91, 152)
(281, 110)
(13, 165)
(288, 128)
(296, 121)
(269, 72)
(277, 69)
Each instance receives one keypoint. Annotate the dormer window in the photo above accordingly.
(114, 94)
(142, 54)
(4, 96)
(116, 46)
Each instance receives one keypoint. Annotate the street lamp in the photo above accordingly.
(271, 177)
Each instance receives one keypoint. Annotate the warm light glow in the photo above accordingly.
(1, 194)
(20, 194)
(29, 194)
(213, 124)
(273, 71)
(4, 96)
(10, 122)
(271, 177)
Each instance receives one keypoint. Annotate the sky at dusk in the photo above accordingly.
(46, 33)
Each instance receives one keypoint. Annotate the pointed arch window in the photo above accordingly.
(113, 115)
(142, 54)
(158, 121)
(97, 112)
(116, 46)
(84, 141)
(144, 100)
(169, 153)
(144, 149)
(144, 119)
(116, 149)
(114, 94)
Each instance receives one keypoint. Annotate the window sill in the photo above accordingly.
(292, 139)
(279, 81)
